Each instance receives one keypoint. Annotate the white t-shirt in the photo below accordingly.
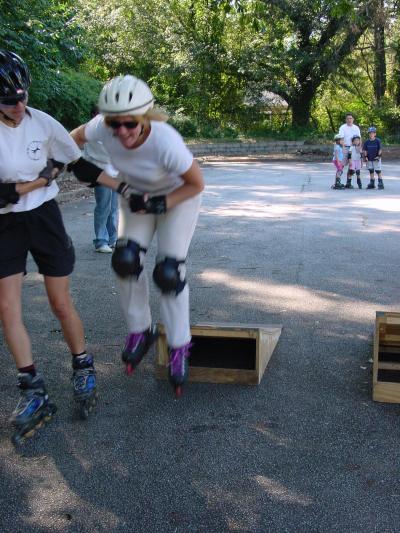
(155, 166)
(356, 152)
(96, 153)
(24, 151)
(348, 132)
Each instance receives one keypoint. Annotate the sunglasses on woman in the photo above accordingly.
(11, 101)
(129, 124)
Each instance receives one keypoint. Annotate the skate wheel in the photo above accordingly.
(84, 412)
(29, 434)
(129, 369)
(178, 391)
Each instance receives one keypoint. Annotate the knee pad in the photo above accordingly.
(358, 173)
(166, 276)
(351, 172)
(126, 258)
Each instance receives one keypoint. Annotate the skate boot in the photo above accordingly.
(33, 409)
(136, 347)
(338, 184)
(359, 183)
(84, 384)
(371, 184)
(348, 184)
(179, 367)
(380, 183)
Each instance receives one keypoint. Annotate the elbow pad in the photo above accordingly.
(85, 171)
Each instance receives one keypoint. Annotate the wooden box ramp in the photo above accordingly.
(224, 353)
(386, 361)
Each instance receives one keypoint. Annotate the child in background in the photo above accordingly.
(338, 160)
(355, 161)
(373, 151)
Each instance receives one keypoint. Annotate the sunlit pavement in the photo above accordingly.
(305, 451)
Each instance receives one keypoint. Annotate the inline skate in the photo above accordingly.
(178, 367)
(84, 384)
(33, 410)
(338, 184)
(136, 347)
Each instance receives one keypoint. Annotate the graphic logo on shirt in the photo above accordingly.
(34, 150)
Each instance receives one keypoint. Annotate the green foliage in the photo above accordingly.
(209, 62)
(67, 96)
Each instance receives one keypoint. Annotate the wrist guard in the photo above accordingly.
(85, 171)
(8, 194)
(47, 172)
(136, 203)
(155, 205)
(124, 190)
(58, 165)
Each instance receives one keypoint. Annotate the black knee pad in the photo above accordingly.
(166, 276)
(358, 172)
(351, 172)
(126, 258)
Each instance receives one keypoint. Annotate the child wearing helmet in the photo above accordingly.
(337, 160)
(30, 221)
(160, 194)
(355, 161)
(372, 149)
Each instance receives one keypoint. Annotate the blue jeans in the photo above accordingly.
(105, 216)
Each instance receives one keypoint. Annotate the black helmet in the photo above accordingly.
(14, 74)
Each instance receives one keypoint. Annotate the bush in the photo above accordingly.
(67, 96)
(186, 126)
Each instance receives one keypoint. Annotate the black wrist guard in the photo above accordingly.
(58, 165)
(156, 205)
(124, 190)
(85, 171)
(136, 203)
(8, 194)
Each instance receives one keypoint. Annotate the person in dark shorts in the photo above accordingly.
(373, 154)
(33, 147)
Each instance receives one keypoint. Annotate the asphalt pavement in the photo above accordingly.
(307, 450)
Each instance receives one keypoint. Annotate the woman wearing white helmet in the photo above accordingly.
(160, 189)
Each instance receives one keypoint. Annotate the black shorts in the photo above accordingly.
(41, 232)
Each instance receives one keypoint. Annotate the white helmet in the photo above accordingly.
(338, 136)
(125, 95)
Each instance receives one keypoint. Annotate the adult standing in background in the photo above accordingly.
(106, 210)
(348, 130)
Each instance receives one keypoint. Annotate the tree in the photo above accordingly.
(305, 42)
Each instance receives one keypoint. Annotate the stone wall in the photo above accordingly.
(254, 148)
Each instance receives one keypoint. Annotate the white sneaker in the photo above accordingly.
(104, 249)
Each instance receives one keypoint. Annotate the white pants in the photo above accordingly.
(174, 233)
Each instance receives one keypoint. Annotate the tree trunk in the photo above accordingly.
(379, 51)
(301, 107)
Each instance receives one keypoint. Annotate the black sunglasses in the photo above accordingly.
(130, 125)
(12, 101)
